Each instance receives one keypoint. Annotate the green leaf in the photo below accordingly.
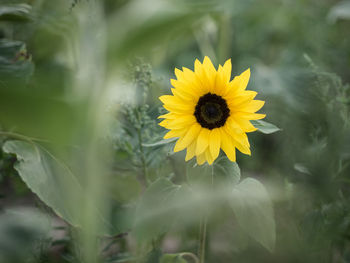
(265, 127)
(15, 62)
(226, 173)
(340, 11)
(156, 211)
(50, 179)
(254, 212)
(15, 12)
(172, 258)
(46, 177)
(159, 143)
(125, 188)
(21, 230)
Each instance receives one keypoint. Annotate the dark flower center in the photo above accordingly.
(211, 111)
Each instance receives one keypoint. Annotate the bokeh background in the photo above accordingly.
(79, 88)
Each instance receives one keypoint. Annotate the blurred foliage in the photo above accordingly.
(78, 93)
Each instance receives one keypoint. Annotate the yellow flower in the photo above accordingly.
(208, 112)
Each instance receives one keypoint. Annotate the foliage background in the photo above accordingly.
(79, 82)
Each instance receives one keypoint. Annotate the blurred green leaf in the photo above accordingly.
(159, 143)
(46, 177)
(125, 187)
(154, 31)
(49, 178)
(15, 12)
(340, 11)
(254, 212)
(40, 115)
(154, 256)
(222, 174)
(172, 258)
(156, 212)
(15, 62)
(228, 170)
(21, 229)
(265, 127)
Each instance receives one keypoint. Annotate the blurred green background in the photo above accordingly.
(79, 88)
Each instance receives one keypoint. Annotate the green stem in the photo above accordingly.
(144, 178)
(202, 238)
(203, 228)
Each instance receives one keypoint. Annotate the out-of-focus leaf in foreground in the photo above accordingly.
(49, 178)
(15, 12)
(172, 258)
(15, 62)
(340, 11)
(156, 211)
(254, 212)
(20, 230)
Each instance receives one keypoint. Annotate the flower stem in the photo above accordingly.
(202, 238)
(203, 228)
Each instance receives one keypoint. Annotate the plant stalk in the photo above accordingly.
(202, 238)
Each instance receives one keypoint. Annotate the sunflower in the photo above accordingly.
(209, 112)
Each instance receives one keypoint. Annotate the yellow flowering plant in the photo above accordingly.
(209, 112)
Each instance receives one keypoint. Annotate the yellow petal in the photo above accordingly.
(214, 144)
(232, 127)
(202, 78)
(174, 133)
(235, 100)
(190, 135)
(164, 123)
(182, 95)
(185, 87)
(209, 157)
(244, 79)
(184, 109)
(223, 78)
(178, 73)
(226, 71)
(183, 122)
(249, 116)
(220, 83)
(238, 84)
(245, 125)
(175, 101)
(241, 146)
(252, 106)
(227, 146)
(191, 151)
(210, 73)
(201, 159)
(202, 141)
(171, 115)
(208, 66)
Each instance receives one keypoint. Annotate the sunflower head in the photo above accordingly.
(208, 111)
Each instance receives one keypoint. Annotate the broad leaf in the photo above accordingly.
(157, 209)
(254, 212)
(15, 12)
(340, 11)
(50, 179)
(222, 173)
(21, 231)
(15, 62)
(172, 258)
(265, 127)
